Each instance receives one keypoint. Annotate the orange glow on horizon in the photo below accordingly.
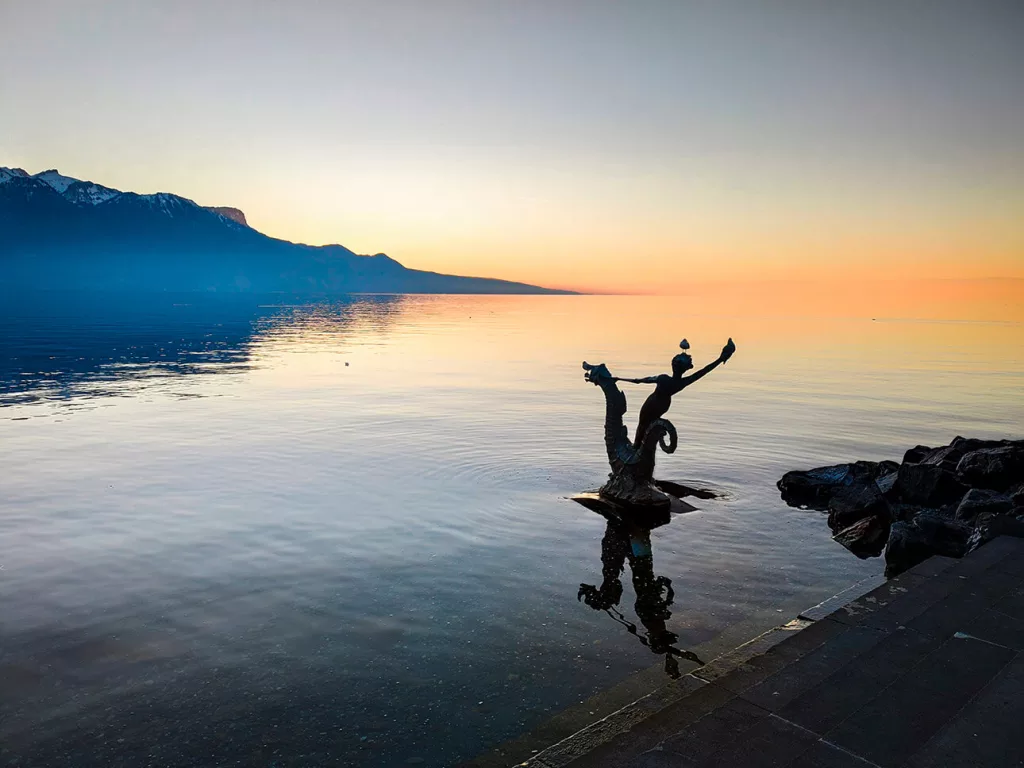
(655, 237)
(643, 234)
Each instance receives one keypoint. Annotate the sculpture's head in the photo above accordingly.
(681, 363)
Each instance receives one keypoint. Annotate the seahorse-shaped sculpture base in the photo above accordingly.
(631, 481)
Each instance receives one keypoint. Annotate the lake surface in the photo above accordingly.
(252, 531)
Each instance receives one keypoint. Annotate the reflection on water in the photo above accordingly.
(297, 525)
(624, 542)
(77, 346)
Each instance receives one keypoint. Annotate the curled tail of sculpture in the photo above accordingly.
(660, 432)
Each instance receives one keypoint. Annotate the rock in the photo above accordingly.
(855, 503)
(1017, 496)
(994, 468)
(916, 454)
(946, 511)
(815, 487)
(907, 512)
(929, 485)
(904, 548)
(884, 467)
(988, 526)
(886, 483)
(927, 534)
(939, 501)
(947, 537)
(948, 456)
(977, 501)
(865, 538)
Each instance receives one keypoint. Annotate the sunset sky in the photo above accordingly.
(636, 146)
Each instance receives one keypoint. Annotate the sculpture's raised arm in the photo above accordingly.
(727, 351)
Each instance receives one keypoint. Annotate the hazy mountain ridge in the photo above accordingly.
(58, 232)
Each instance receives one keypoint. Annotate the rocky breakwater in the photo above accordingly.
(937, 501)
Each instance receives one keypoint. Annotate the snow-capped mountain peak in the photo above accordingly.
(89, 193)
(6, 174)
(74, 190)
(167, 203)
(55, 180)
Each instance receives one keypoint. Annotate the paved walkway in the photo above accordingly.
(924, 671)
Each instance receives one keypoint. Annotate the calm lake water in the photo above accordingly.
(240, 531)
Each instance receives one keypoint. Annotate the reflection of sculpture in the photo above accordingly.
(653, 593)
(632, 463)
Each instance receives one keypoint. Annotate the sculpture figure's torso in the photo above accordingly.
(655, 406)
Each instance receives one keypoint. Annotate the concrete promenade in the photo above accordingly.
(926, 670)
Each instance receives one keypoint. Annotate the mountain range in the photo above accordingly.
(58, 232)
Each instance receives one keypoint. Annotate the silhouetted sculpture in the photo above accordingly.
(632, 478)
(654, 593)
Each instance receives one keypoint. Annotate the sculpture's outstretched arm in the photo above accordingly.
(597, 372)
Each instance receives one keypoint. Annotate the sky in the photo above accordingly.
(604, 146)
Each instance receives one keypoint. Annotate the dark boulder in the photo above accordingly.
(948, 456)
(916, 454)
(1017, 497)
(947, 537)
(988, 526)
(907, 512)
(978, 501)
(884, 467)
(905, 548)
(995, 468)
(855, 503)
(816, 487)
(866, 537)
(912, 542)
(929, 485)
(939, 501)
(886, 483)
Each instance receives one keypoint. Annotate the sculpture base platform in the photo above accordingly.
(642, 515)
(647, 515)
(680, 491)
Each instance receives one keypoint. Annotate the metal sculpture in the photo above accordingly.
(631, 481)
